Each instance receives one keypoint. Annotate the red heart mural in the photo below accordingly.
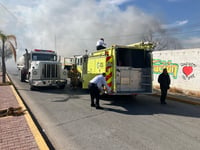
(187, 70)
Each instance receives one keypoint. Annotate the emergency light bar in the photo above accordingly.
(40, 50)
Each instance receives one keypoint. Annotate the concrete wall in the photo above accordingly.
(183, 67)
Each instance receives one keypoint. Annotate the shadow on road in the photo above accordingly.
(143, 105)
(66, 99)
(67, 90)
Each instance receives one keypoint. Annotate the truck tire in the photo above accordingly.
(62, 86)
(22, 78)
(32, 88)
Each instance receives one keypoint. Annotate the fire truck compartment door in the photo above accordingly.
(128, 79)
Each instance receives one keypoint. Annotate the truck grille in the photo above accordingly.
(50, 71)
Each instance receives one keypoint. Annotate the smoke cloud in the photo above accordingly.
(70, 27)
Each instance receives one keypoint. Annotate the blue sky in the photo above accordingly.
(38, 23)
(174, 13)
(171, 10)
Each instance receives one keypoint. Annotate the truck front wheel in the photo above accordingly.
(22, 77)
(32, 88)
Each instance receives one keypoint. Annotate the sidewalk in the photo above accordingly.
(17, 132)
(180, 97)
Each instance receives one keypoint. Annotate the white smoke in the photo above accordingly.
(72, 26)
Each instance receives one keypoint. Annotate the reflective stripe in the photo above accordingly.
(109, 70)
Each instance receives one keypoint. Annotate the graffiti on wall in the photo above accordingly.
(159, 65)
(188, 70)
(173, 68)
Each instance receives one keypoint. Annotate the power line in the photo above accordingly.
(8, 11)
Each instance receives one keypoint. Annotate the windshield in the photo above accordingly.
(44, 57)
(135, 58)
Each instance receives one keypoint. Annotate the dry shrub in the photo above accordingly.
(180, 91)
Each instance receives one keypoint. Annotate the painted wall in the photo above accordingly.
(183, 67)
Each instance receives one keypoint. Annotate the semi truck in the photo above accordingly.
(41, 69)
(128, 68)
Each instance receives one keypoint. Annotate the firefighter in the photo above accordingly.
(74, 75)
(100, 44)
(96, 85)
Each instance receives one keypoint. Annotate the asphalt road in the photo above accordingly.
(126, 123)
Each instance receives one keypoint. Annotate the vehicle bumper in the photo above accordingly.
(44, 83)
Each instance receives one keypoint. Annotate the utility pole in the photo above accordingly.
(55, 44)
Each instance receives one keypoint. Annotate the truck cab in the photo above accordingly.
(41, 68)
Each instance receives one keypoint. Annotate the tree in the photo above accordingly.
(8, 53)
(7, 44)
(163, 39)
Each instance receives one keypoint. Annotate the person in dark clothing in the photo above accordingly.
(164, 81)
(95, 87)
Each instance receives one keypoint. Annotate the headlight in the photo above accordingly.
(34, 72)
(64, 73)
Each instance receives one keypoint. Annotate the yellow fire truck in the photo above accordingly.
(128, 68)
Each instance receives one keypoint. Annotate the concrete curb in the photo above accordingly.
(179, 99)
(35, 131)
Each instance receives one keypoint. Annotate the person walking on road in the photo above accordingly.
(100, 44)
(96, 85)
(164, 81)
